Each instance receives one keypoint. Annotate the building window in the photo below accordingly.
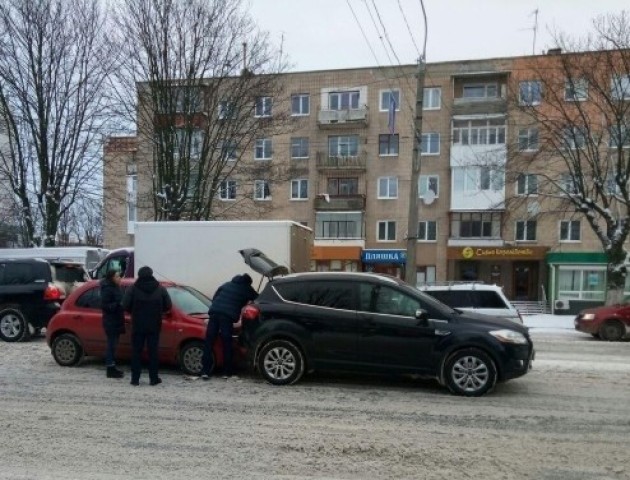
(228, 150)
(479, 132)
(263, 149)
(300, 104)
(388, 187)
(569, 230)
(620, 87)
(568, 185)
(480, 90)
(428, 182)
(132, 203)
(575, 283)
(427, 231)
(530, 92)
(386, 231)
(576, 89)
(527, 139)
(388, 145)
(187, 99)
(574, 138)
(227, 190)
(343, 187)
(527, 184)
(476, 225)
(430, 144)
(343, 100)
(432, 98)
(619, 136)
(387, 96)
(525, 231)
(188, 143)
(425, 275)
(343, 146)
(299, 189)
(477, 179)
(262, 190)
(299, 147)
(226, 109)
(263, 107)
(338, 225)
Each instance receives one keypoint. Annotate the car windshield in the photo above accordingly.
(70, 273)
(188, 300)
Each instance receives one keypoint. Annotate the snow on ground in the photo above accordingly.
(547, 321)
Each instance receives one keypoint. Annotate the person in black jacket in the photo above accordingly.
(113, 319)
(224, 312)
(147, 301)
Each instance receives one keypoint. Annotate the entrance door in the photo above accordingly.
(525, 275)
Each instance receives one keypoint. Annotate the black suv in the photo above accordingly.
(30, 294)
(377, 324)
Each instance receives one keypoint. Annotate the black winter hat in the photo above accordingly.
(145, 272)
(247, 279)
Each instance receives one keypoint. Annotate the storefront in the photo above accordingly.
(335, 259)
(520, 271)
(388, 261)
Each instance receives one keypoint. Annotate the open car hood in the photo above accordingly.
(260, 263)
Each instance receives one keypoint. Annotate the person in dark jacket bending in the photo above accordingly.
(224, 313)
(113, 319)
(147, 301)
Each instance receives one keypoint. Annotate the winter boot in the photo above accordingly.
(113, 372)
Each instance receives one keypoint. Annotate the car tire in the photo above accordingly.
(281, 362)
(190, 358)
(470, 372)
(14, 326)
(612, 331)
(67, 350)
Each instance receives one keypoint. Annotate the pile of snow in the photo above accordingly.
(547, 321)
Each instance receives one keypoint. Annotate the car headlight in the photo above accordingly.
(509, 336)
(587, 316)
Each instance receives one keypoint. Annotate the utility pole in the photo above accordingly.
(412, 219)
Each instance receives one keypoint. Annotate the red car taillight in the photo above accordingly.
(250, 312)
(53, 293)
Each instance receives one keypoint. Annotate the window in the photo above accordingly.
(386, 231)
(576, 89)
(568, 185)
(477, 179)
(480, 90)
(530, 92)
(300, 104)
(619, 136)
(90, 299)
(387, 96)
(389, 301)
(427, 231)
(261, 190)
(576, 283)
(343, 100)
(428, 182)
(132, 203)
(432, 98)
(387, 145)
(299, 189)
(525, 230)
(341, 187)
(227, 109)
(570, 231)
(19, 274)
(227, 190)
(338, 225)
(228, 150)
(299, 147)
(620, 87)
(388, 187)
(187, 99)
(479, 132)
(263, 149)
(188, 143)
(527, 184)
(330, 294)
(527, 139)
(263, 107)
(425, 275)
(430, 144)
(343, 146)
(573, 137)
(476, 225)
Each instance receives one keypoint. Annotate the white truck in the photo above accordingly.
(206, 254)
(89, 257)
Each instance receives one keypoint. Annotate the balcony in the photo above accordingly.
(338, 118)
(479, 106)
(332, 203)
(341, 162)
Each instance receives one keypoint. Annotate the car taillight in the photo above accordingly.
(53, 293)
(250, 312)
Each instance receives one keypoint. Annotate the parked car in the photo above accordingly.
(475, 297)
(365, 322)
(77, 330)
(31, 292)
(611, 323)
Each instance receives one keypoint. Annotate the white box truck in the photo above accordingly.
(206, 254)
(89, 257)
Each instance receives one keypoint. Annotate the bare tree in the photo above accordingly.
(53, 64)
(208, 91)
(578, 99)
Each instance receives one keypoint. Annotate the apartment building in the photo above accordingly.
(349, 170)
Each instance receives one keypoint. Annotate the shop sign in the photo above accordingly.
(496, 253)
(383, 256)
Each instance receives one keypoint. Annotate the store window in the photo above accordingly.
(581, 283)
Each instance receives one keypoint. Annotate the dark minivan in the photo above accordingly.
(372, 323)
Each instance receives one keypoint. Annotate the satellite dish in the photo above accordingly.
(429, 197)
(533, 208)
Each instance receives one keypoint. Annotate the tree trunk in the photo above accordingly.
(616, 275)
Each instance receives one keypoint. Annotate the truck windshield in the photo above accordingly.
(188, 300)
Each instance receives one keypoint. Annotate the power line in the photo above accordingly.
(409, 29)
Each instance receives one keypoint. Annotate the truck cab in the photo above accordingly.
(121, 259)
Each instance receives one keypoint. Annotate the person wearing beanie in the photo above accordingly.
(224, 312)
(113, 319)
(147, 301)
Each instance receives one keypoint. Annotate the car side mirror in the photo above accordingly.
(422, 316)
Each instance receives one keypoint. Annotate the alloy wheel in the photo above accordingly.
(279, 363)
(470, 373)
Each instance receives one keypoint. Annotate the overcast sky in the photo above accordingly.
(323, 34)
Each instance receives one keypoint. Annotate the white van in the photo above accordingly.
(89, 257)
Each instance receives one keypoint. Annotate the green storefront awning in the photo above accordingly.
(576, 258)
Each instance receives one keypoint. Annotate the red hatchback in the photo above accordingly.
(610, 323)
(77, 330)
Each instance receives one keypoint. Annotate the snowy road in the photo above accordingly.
(568, 419)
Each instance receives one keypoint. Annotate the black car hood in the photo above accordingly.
(489, 321)
(260, 263)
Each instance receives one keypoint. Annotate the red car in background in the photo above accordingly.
(77, 330)
(611, 323)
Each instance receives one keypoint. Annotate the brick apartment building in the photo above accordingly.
(350, 180)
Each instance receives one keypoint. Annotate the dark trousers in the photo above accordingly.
(110, 352)
(223, 325)
(138, 341)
